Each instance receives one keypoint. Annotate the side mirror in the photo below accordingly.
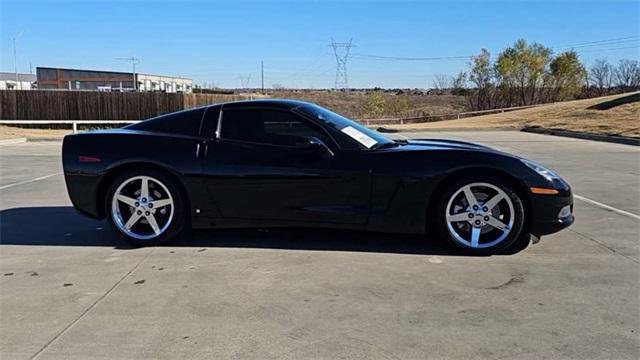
(313, 143)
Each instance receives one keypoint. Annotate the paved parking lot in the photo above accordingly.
(69, 288)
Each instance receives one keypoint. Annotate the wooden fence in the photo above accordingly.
(86, 105)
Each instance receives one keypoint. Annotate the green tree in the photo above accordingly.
(399, 105)
(566, 76)
(375, 104)
(525, 74)
(521, 69)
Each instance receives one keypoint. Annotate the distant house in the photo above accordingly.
(24, 81)
(98, 80)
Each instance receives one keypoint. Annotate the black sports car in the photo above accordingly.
(270, 163)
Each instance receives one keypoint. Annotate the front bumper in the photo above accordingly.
(552, 226)
(551, 213)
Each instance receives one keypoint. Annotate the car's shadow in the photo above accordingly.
(63, 226)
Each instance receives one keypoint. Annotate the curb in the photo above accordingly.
(396, 130)
(45, 139)
(584, 136)
(13, 141)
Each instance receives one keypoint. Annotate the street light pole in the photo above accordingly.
(15, 58)
(134, 62)
(135, 81)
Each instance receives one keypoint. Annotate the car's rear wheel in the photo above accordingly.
(481, 215)
(145, 207)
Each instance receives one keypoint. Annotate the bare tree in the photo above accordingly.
(627, 74)
(441, 82)
(601, 75)
(482, 78)
(458, 83)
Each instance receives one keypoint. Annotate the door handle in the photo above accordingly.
(198, 152)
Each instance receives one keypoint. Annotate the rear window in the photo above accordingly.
(181, 123)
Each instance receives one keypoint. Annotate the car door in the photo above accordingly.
(259, 167)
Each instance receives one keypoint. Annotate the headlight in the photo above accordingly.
(564, 212)
(543, 171)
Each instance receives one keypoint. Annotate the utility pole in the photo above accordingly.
(262, 75)
(134, 61)
(15, 58)
(341, 51)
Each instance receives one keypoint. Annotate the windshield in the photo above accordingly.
(361, 134)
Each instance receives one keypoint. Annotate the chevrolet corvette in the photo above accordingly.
(286, 163)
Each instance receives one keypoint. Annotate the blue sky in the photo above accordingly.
(217, 42)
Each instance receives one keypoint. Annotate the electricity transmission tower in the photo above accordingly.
(244, 81)
(341, 50)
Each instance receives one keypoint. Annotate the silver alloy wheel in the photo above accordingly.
(480, 215)
(142, 207)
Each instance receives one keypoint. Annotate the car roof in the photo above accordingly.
(275, 103)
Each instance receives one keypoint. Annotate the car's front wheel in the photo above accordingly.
(145, 207)
(481, 215)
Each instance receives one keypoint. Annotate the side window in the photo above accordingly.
(210, 122)
(273, 127)
(182, 123)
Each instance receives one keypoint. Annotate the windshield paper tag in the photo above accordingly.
(359, 136)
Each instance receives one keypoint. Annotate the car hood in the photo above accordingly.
(440, 144)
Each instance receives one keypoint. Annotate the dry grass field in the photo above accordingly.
(355, 104)
(570, 115)
(11, 132)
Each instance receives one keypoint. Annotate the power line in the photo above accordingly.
(637, 37)
(396, 58)
(612, 49)
(318, 67)
(315, 64)
(597, 43)
(624, 42)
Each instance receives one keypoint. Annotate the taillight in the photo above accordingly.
(83, 158)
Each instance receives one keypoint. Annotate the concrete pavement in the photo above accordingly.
(69, 288)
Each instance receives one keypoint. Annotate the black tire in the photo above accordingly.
(178, 222)
(515, 241)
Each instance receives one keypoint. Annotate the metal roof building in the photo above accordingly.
(98, 80)
(24, 81)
